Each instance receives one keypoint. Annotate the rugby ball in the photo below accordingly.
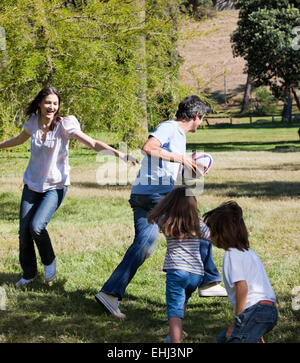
(204, 162)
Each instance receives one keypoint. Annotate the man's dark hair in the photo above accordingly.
(189, 107)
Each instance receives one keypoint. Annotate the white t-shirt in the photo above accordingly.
(246, 265)
(159, 176)
(48, 166)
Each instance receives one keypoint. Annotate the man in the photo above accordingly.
(165, 152)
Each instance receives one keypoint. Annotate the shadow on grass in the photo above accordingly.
(44, 313)
(281, 167)
(219, 95)
(242, 146)
(254, 125)
(9, 278)
(287, 330)
(99, 186)
(15, 155)
(273, 189)
(49, 313)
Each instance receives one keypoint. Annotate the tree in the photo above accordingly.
(89, 50)
(264, 39)
(142, 67)
(198, 8)
(247, 94)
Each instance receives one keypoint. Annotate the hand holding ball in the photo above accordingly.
(204, 162)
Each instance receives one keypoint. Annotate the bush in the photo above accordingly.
(265, 103)
(198, 9)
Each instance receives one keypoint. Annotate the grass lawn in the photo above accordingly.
(94, 226)
(245, 137)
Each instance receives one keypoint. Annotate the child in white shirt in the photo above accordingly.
(246, 281)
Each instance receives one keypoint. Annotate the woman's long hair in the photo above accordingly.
(33, 106)
(227, 226)
(177, 214)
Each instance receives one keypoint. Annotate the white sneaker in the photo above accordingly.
(110, 303)
(50, 271)
(212, 290)
(23, 282)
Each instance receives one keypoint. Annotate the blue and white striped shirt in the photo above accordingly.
(184, 254)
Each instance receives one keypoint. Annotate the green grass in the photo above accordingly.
(94, 226)
(244, 137)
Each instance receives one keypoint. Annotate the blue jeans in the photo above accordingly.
(179, 287)
(143, 245)
(252, 324)
(211, 273)
(36, 210)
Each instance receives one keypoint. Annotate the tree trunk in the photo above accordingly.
(287, 108)
(223, 4)
(141, 68)
(296, 98)
(195, 4)
(247, 94)
(172, 8)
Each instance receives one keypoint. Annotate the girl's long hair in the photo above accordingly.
(177, 214)
(33, 106)
(227, 226)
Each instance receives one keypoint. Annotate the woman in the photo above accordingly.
(46, 178)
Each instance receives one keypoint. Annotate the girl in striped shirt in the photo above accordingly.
(177, 217)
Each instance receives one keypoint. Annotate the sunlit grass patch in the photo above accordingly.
(93, 228)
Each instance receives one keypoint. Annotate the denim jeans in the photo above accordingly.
(143, 245)
(179, 287)
(36, 210)
(211, 273)
(252, 324)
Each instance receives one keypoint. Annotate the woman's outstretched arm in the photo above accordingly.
(99, 146)
(15, 141)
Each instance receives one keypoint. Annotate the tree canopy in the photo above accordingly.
(91, 52)
(264, 38)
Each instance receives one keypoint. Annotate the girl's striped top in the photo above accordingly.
(184, 254)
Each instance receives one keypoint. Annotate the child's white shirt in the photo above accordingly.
(246, 265)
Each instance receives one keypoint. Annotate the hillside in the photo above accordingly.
(206, 50)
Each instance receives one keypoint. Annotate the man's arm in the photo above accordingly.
(99, 146)
(153, 148)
